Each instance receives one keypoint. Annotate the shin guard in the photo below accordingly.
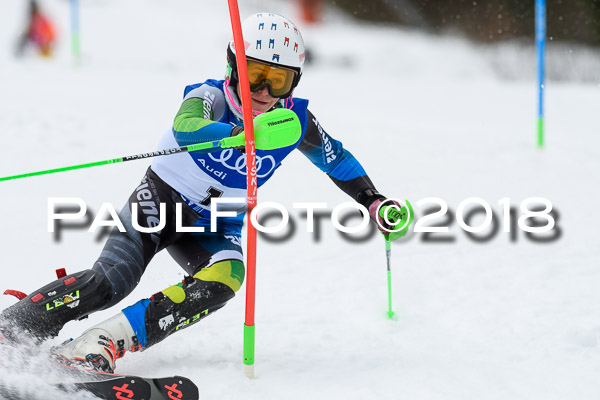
(186, 303)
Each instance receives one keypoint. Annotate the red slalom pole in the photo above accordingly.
(251, 179)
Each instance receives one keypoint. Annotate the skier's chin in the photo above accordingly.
(263, 106)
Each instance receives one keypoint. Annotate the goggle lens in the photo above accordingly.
(279, 80)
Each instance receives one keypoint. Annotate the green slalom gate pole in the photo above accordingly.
(540, 35)
(75, 36)
(388, 254)
(284, 130)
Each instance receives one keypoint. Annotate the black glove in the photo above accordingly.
(234, 132)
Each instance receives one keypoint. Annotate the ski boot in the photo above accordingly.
(101, 346)
(42, 314)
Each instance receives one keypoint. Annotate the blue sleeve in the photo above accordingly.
(330, 156)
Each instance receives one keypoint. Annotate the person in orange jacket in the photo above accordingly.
(40, 32)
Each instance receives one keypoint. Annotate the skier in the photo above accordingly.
(213, 260)
(39, 32)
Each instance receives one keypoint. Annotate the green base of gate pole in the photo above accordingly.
(249, 350)
(540, 132)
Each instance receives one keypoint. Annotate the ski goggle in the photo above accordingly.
(280, 81)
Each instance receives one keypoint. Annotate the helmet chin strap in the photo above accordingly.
(289, 100)
(233, 103)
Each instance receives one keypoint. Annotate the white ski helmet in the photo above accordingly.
(271, 39)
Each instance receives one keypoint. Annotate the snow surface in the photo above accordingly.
(426, 116)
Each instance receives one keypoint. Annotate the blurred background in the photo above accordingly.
(573, 27)
(575, 21)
